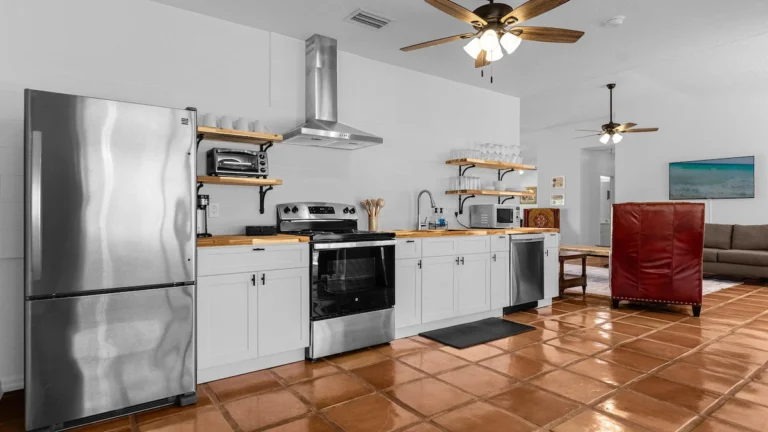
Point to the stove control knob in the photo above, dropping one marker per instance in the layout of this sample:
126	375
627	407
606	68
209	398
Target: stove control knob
286	210
295	209
346	210
352	210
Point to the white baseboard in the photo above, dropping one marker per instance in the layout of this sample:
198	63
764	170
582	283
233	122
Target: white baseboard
434	325
12	383
251	365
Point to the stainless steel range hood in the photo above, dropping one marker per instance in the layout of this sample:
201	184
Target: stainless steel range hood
322	128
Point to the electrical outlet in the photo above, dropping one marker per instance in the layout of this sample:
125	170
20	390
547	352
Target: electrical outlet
213	210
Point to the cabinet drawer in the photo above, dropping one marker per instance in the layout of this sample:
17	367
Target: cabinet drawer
242	259
439	246
499	243
408	248
551	240
473	245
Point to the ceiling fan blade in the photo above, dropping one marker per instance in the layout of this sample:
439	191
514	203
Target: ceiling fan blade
437	42
531	9
480	61
624	127
587	136
547	34
642	130
458	11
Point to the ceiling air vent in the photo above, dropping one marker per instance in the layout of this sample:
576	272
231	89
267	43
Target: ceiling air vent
368	20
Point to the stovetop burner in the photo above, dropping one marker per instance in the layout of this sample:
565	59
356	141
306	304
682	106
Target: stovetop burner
324	222
344	236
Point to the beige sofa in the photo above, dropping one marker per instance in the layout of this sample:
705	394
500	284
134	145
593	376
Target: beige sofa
736	250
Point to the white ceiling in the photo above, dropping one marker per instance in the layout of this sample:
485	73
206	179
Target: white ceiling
654	31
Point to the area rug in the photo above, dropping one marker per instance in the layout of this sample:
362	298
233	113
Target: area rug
599	281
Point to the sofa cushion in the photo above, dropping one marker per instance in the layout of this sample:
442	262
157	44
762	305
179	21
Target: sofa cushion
750	237
710	254
717	236
745	257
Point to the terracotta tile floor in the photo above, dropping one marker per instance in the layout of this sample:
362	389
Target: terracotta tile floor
584	368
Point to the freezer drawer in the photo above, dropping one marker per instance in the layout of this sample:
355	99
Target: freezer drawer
89	355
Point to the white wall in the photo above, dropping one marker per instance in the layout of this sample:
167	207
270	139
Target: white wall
146	52
593	165
705	104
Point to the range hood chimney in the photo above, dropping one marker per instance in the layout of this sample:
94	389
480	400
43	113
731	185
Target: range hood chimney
322	128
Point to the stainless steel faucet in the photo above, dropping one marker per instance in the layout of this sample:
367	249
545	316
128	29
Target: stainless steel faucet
419	224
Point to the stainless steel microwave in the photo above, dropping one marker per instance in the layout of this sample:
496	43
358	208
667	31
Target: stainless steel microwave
493	216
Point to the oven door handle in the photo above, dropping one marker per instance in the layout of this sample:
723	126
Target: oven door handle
349	245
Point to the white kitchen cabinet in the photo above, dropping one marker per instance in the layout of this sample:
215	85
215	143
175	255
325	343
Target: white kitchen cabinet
499	243
408	248
283	310
407	292
242	259
473	283
473	245
439	246
439	300
551	273
500	280
227	315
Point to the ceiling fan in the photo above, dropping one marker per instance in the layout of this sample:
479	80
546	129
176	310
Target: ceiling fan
492	28
613	131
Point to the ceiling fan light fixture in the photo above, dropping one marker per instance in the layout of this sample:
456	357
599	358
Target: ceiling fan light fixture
605	138
510	42
617	137
473	48
489	41
494	55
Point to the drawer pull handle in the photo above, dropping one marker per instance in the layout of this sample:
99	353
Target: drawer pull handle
258	249
502	237
411	241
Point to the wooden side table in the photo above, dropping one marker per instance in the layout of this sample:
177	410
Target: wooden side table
573	281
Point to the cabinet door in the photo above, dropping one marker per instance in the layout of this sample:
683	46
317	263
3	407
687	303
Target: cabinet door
500	280
551	273
407	292
438	297
474	284
226	319
283	310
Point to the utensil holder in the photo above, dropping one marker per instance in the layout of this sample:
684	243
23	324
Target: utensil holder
373	223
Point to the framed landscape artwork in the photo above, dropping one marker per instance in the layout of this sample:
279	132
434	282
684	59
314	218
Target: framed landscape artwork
558	182
557	200
529	199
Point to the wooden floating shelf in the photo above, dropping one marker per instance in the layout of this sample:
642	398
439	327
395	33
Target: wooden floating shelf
480	163
239	181
478	192
237	136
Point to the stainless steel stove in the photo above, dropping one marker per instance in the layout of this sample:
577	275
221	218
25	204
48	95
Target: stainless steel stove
352	293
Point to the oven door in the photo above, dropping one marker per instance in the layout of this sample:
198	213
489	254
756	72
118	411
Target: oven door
352	277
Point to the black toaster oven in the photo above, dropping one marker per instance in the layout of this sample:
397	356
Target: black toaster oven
238	163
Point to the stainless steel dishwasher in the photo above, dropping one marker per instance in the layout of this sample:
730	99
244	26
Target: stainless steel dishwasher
526	267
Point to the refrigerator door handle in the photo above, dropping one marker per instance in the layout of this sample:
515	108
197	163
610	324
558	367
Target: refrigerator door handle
36	206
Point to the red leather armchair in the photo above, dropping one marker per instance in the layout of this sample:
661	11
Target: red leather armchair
656	253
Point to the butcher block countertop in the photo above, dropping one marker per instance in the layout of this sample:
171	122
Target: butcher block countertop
243	240
469	232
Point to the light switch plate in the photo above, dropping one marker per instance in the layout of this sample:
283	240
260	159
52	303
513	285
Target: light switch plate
213	210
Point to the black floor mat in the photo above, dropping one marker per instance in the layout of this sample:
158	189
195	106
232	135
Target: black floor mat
475	333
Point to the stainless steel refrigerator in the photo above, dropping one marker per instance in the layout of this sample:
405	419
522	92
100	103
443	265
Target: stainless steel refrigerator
110	258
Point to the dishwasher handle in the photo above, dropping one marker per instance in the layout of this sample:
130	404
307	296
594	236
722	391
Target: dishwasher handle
527	240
